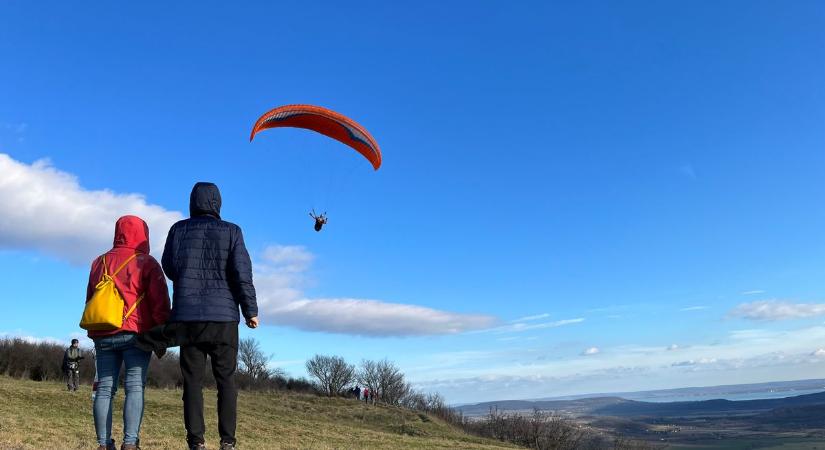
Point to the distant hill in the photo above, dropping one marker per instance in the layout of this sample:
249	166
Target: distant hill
773	389
38	415
619	407
632	408
569	407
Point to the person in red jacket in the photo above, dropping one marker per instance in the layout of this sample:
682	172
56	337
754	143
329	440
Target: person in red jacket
143	286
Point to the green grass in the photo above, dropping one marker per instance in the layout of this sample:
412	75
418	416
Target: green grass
35	415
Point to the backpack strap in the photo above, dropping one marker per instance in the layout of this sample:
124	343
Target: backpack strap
128	260
132	308
106	269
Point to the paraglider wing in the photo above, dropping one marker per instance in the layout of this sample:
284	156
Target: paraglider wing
326	122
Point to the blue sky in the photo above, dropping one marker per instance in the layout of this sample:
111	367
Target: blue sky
575	198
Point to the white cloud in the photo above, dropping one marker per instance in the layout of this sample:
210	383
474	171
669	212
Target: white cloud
280	277
753	292
47	210
374	318
85	342
819	353
673	347
288	258
695	362
531	318
770	310
19	334
520	326
693	308
591	351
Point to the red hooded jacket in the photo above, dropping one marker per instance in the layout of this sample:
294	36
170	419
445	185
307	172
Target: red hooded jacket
143	275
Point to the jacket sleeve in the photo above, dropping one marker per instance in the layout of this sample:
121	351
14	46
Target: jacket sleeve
157	293
239	272
168	258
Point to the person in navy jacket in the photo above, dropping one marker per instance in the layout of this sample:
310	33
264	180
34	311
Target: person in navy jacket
211	273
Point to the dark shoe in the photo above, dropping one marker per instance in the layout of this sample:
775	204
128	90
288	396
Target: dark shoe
197	447
129	447
227	446
111	446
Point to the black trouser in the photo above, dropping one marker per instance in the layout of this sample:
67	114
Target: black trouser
197	340
72	379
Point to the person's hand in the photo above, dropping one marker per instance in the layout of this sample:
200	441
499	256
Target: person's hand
252	323
159	352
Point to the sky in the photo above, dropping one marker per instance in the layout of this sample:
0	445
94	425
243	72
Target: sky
576	197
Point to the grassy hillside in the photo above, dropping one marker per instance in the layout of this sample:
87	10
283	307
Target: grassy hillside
40	415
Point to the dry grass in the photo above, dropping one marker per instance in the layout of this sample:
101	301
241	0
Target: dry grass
42	415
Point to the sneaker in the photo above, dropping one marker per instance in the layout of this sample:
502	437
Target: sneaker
197	447
227	446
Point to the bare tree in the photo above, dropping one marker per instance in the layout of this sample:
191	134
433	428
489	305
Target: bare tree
368	375
253	363
391	384
385	379
331	373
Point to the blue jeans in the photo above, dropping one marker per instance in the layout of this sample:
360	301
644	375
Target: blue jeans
110	352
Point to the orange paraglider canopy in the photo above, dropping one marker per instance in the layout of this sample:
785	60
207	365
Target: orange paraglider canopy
326	122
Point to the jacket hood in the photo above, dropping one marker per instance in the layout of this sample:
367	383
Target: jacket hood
205	200
132	232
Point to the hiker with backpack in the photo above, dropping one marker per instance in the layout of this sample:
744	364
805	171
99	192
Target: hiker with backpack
71	365
211	272
126	295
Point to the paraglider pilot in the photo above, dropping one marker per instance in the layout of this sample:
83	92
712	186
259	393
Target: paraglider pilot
320	220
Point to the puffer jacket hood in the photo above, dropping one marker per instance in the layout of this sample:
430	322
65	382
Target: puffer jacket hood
205	200
132	232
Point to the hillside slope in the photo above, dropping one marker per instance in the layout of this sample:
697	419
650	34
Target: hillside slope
36	415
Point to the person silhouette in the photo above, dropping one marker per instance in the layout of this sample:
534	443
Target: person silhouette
320	219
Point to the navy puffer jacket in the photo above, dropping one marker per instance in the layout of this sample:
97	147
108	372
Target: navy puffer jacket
206	259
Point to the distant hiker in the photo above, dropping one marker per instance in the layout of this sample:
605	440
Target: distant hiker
357	393
71	365
366	395
140	281
206	259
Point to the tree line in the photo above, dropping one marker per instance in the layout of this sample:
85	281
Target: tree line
42	361
330	376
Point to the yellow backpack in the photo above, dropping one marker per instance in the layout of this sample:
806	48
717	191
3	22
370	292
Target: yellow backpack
104	311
